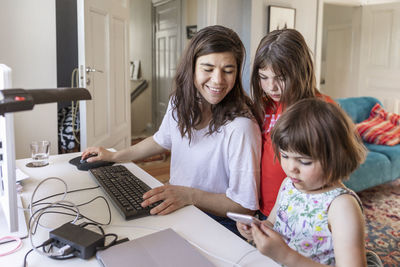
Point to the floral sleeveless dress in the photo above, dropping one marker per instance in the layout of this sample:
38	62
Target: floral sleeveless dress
302	219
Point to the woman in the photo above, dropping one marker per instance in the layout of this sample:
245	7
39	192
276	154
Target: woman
212	134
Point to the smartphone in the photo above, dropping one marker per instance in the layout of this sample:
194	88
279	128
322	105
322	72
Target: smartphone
243	218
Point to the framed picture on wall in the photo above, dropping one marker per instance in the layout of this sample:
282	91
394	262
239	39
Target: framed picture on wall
280	18
191	31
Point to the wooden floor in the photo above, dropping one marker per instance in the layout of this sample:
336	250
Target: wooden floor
157	166
159	169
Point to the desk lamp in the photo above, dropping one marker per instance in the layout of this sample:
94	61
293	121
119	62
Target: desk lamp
13	100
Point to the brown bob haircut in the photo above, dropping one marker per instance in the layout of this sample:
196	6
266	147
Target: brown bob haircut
287	54
322	131
186	100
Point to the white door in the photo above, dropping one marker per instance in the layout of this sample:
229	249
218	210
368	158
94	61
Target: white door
338	62
167	45
380	54
103	27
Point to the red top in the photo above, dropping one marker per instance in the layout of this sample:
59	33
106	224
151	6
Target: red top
272	174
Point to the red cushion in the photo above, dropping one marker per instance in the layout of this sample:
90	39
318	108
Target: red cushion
382	127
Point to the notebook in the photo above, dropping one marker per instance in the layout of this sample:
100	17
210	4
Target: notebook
165	248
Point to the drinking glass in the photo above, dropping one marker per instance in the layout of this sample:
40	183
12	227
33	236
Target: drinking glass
40	151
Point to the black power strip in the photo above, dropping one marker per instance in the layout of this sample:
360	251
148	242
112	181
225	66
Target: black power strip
83	241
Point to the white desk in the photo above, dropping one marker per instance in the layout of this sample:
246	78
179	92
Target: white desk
189	222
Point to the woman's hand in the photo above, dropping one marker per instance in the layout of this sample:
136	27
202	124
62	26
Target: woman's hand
173	197
269	242
100	154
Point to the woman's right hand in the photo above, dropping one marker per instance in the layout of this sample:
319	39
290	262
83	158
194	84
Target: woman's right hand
93	154
245	230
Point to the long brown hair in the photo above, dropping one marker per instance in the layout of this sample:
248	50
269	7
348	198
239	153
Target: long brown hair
186	101
322	131
287	54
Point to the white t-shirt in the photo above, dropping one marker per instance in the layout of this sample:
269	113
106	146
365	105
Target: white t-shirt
228	161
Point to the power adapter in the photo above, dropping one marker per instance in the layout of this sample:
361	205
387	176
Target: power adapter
83	241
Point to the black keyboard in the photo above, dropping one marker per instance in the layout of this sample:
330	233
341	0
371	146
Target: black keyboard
124	189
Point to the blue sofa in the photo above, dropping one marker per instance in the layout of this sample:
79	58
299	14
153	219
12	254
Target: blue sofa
383	162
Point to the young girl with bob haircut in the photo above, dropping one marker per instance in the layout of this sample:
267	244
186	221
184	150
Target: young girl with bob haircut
317	221
283	73
210	130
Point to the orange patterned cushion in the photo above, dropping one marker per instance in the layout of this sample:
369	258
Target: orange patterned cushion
382	128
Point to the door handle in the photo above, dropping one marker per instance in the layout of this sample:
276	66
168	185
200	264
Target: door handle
90	69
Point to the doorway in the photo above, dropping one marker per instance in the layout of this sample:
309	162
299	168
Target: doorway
155	41
94	35
166	51
339	55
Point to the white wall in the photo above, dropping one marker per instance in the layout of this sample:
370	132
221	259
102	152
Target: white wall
249	20
236	14
28	46
189	17
306	19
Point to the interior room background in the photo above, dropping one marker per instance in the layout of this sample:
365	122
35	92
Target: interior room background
356	47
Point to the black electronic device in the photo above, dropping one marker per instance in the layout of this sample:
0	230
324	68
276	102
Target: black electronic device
83	165
84	242
124	189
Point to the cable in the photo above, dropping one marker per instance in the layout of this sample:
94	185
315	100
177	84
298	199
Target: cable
71	191
36	203
84	224
26	256
73	75
81	216
108	208
36	220
74	110
58	194
47	242
11	238
70	208
64	253
38	208
43	212
37	187
112	243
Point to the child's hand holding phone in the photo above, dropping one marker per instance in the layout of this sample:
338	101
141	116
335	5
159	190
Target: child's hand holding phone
244	223
243	218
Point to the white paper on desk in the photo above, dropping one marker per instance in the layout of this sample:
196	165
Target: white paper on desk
20	175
